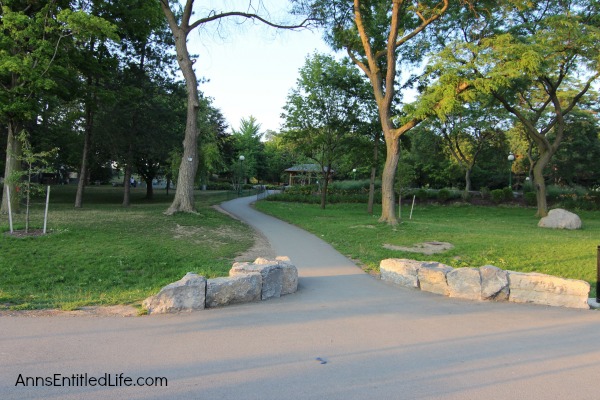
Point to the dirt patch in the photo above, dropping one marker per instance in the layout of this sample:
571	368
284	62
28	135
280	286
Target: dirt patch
363	226
92	311
261	248
203	235
423	248
23	234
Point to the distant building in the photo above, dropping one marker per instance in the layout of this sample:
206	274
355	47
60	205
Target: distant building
305	174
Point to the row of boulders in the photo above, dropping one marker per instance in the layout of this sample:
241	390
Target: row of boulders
247	282
486	283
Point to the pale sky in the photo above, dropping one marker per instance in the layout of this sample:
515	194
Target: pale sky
252	68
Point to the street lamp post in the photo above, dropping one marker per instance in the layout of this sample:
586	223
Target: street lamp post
354	173
242	158
511	158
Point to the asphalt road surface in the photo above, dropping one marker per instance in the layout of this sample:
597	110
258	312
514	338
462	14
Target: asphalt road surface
343	335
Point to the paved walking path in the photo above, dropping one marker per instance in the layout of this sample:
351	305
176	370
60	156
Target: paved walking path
373	341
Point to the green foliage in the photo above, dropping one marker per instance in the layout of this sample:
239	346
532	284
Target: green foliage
443	195
530	198
35	165
485	192
497	196
421	194
324	112
508	194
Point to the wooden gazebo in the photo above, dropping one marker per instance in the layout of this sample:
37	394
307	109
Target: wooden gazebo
304	174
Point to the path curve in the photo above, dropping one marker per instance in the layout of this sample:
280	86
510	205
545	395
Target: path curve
343	335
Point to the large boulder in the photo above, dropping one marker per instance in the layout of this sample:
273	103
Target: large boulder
548	290
464	283
494	283
234	289
400	271
187	294
290	275
560	219
432	278
272	276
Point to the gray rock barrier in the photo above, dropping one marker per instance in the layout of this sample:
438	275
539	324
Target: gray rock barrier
486	283
247	282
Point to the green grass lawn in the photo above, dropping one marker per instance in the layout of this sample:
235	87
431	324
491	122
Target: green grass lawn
105	254
505	237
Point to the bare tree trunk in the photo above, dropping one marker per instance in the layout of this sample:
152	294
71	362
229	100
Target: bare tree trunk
388	199
127	181
467	181
325	187
149	189
373	173
184	194
13	151
539	183
87	143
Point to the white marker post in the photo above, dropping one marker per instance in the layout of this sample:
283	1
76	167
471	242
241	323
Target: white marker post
10	222
412	207
46	211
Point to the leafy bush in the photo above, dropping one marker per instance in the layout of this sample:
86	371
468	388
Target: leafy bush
304	190
590	201
443	195
556	193
530	198
421	194
497	195
508	194
485	192
219	186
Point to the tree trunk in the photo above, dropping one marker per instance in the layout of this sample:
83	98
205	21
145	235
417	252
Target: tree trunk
184	194
325	187
87	143
127	184
13	152
373	174
467	181
539	183
388	200
149	188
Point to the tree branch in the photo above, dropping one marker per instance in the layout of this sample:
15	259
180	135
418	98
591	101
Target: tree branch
215	17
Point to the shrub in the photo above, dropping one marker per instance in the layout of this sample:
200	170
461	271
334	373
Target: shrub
497	195
421	194
485	192
305	190
443	195
508	194
219	186
530	198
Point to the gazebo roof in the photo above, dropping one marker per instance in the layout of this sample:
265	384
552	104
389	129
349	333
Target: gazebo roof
305	168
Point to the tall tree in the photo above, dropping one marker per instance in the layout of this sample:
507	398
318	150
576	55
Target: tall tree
468	131
33	39
378	36
181	25
537	59
323	111
142	52
247	143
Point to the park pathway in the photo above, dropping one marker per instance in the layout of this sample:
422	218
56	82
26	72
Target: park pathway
343	335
